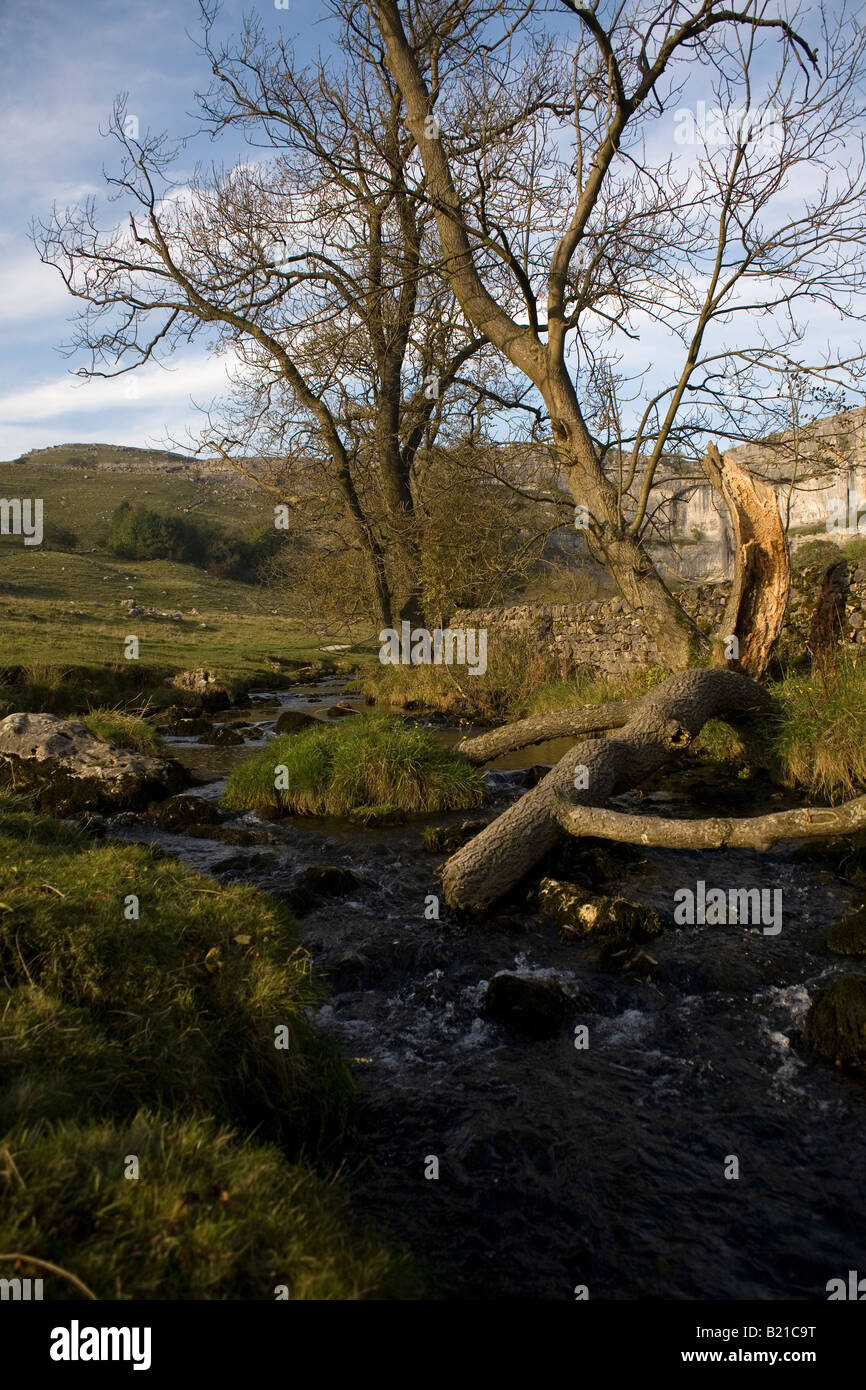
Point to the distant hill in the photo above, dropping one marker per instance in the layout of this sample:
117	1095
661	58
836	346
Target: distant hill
118	458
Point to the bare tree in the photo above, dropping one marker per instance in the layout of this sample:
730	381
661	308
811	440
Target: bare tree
604	226
314	266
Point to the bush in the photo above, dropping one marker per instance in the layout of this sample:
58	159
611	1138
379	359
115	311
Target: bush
125	731
822	553
176	1009
56	537
139	534
370	760
211	1216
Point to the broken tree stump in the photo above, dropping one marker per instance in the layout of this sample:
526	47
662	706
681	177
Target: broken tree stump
761	585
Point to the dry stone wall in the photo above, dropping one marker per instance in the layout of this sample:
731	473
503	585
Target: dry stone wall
605	635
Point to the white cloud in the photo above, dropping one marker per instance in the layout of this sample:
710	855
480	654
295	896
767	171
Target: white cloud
198	378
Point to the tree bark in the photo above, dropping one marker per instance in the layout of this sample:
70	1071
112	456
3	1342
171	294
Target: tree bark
539	728
759	593
664	721
718	832
828	620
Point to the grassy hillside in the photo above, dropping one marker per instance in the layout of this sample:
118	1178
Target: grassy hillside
82	500
64	608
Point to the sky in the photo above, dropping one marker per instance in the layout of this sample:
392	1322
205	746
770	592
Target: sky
62	63
61	66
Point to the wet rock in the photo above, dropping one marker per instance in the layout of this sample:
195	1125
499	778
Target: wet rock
340	711
222	737
377	815
330	880
620	923
183	812
836	1021
232	835
847	937
291	720
66	768
445	839
188	727
530	1007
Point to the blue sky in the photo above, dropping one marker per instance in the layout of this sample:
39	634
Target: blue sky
61	66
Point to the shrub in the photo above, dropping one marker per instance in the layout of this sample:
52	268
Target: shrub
370	760
816	552
57	537
211	1216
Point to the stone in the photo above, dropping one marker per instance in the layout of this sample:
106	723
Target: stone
836	1022
332	880
203	683
531	1007
291	720
183	812
847	937
67	768
222	736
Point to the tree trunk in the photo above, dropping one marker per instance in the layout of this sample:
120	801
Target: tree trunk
539	728
759	593
662	722
718	832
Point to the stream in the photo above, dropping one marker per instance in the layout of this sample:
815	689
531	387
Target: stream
558	1167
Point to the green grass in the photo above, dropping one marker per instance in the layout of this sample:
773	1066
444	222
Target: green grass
587	687
125	731
819	731
177	1008
369	760
516	667
210	1216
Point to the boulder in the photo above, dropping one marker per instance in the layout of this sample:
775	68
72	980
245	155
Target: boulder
212	694
291	720
532	1008
616	921
847	937
68	769
836	1021
183	812
222	736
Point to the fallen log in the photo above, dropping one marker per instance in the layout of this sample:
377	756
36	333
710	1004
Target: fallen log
716	832
759	593
665	720
539	728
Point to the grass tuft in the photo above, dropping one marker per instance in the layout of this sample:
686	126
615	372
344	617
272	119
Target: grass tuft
370	760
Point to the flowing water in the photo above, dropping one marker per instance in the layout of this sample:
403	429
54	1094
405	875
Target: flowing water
561	1167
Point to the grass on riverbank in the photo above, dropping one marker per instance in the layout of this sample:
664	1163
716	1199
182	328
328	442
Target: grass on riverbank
368	760
210	1216
176	1007
154	1038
